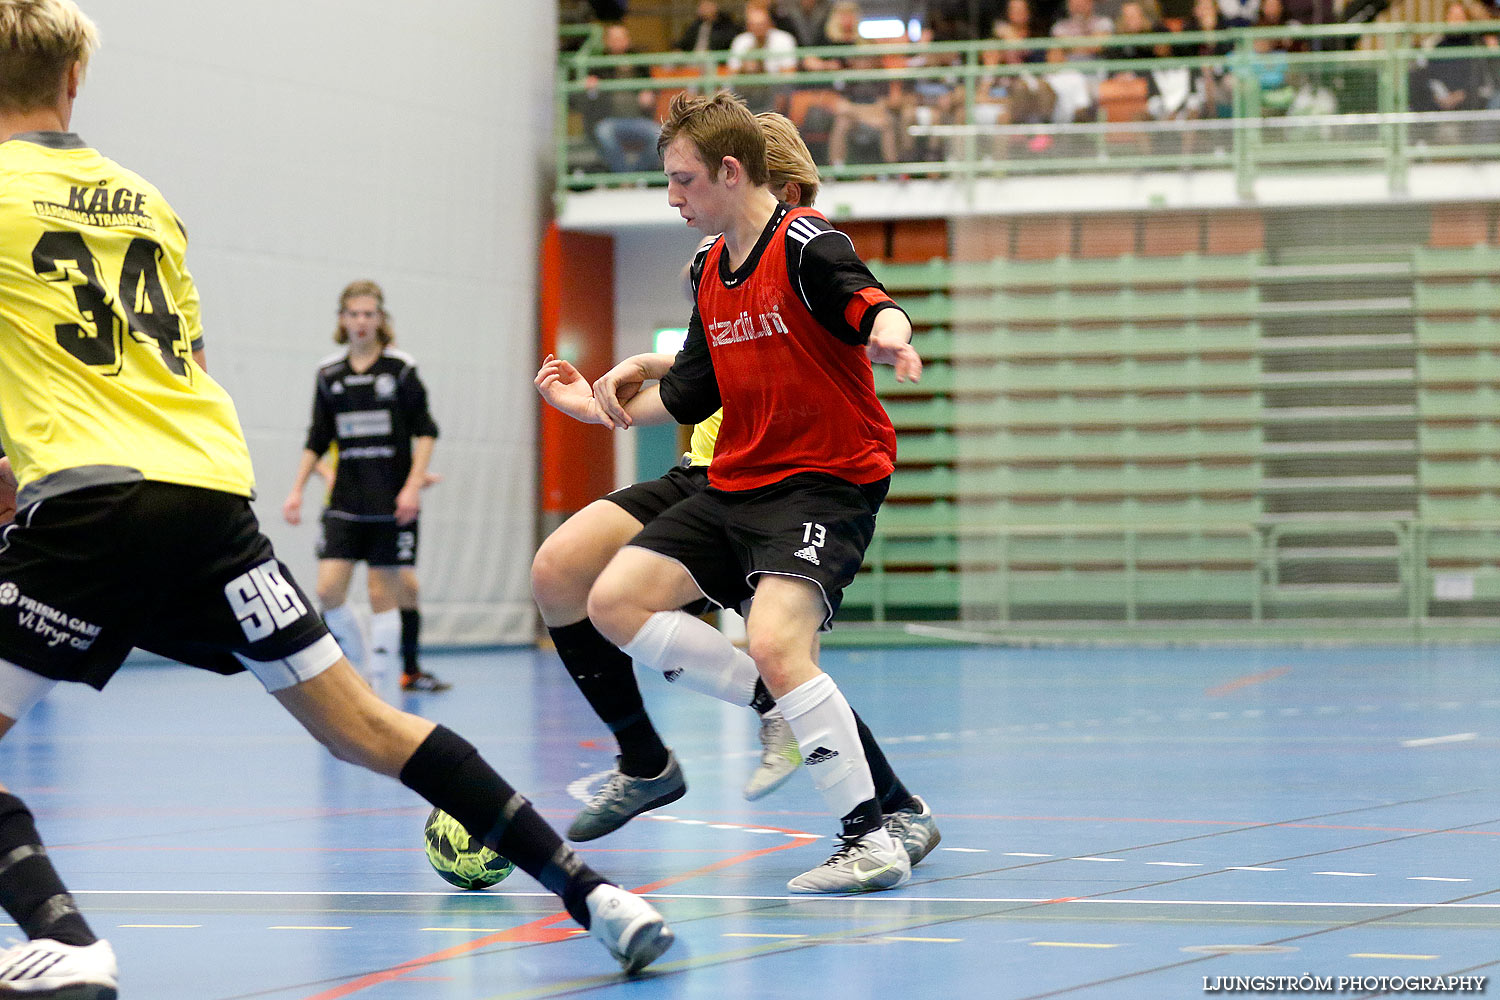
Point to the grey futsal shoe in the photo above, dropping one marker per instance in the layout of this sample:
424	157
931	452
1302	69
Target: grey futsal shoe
861	864
779	758
628	926
44	968
915	829
624	797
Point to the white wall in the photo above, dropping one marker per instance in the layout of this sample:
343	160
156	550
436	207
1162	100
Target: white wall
306	144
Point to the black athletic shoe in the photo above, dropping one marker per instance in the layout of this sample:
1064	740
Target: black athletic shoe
423	681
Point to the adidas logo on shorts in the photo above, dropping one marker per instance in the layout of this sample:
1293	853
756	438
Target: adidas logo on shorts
820	756
809	553
672	675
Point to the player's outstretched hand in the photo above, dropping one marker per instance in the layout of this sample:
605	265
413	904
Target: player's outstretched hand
565	389
902	356
618	386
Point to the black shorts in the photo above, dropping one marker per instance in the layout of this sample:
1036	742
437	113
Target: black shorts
176	570
644	501
377	543
810	525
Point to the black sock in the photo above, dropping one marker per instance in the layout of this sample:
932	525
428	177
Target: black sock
888	788
605	677
411	640
762	701
447	771
30	889
862	819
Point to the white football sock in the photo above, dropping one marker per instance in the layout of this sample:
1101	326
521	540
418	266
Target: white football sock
385	652
694	654
344	624
824	726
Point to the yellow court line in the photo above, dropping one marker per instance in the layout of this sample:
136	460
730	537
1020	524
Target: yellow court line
778	936
1377	954
1070	944
299	927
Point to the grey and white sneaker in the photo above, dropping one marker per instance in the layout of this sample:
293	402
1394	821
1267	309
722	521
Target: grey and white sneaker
779	758
628	926
44	969
861	864
914	829
623	797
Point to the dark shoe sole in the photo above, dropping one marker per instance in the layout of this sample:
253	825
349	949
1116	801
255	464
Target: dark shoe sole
937	838
648	945
655	803
91	992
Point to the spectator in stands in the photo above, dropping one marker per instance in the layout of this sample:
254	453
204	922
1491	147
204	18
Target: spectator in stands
622	122
761	34
1452	84
842	26
1009	99
926	100
1239	13
1017	26
1273	15
1135	20
1077	91
807	18
1211	82
1082	22
872	104
711	31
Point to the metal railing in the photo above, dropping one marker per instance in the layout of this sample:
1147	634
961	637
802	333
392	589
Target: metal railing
1351	97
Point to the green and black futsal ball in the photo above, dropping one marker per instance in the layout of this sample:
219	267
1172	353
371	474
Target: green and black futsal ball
459	858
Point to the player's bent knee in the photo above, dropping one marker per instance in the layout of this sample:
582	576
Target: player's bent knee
557	579
610	609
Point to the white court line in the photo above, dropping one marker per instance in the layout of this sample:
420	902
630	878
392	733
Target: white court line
863	899
1434	878
1432	741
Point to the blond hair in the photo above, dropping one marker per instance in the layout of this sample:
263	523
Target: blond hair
717	126
362	289
788	160
39	41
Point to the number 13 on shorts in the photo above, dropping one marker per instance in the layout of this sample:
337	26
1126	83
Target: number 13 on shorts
814	534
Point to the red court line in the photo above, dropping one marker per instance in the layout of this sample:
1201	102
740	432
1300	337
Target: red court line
1249	680
542	929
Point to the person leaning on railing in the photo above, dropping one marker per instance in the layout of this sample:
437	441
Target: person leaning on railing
1453	84
621	122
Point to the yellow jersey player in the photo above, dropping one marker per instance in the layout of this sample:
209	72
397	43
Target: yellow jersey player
133	527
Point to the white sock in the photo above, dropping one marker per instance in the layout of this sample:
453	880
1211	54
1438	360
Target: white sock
694	654
344	624
824	726
385	652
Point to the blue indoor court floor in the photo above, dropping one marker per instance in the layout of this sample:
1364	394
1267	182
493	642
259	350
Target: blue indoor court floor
1117	824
